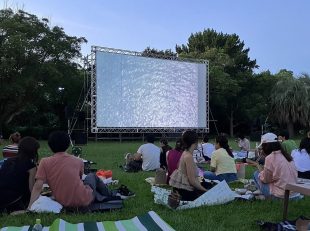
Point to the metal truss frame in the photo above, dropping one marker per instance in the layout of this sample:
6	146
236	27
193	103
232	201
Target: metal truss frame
93	89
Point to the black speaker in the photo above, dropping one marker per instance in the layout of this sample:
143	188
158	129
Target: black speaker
80	138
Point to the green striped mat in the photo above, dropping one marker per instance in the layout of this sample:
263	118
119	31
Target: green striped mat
147	222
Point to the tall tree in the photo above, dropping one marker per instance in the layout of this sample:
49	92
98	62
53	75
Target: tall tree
36	59
290	101
230	67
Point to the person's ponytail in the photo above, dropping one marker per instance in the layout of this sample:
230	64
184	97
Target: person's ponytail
223	142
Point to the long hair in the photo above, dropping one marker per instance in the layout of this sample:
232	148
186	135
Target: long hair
189	138
164	141
28	149
178	145
268	148
223	142
305	144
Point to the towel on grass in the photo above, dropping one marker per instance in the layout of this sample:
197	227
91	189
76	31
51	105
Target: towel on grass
149	221
46	204
219	194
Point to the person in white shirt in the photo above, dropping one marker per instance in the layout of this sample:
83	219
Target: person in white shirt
207	148
301	158
244	145
149	154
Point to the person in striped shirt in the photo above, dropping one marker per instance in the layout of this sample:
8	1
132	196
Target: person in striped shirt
11	150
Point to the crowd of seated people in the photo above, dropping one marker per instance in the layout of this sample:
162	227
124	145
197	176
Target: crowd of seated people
21	179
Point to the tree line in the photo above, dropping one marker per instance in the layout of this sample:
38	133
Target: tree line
40	75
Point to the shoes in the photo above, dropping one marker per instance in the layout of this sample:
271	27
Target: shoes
257	192
124	192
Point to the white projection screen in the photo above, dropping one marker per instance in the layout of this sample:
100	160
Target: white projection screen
136	92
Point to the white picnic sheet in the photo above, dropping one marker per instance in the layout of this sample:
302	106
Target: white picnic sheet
46	204
219	194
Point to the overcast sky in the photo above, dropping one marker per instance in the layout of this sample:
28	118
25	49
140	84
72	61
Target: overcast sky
276	31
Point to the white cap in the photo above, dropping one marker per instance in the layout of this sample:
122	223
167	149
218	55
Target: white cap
268	138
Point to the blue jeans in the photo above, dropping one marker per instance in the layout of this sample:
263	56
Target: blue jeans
242	154
264	188
228	177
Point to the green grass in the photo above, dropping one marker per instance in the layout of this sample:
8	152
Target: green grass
236	215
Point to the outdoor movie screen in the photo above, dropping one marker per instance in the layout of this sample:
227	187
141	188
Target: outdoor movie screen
141	92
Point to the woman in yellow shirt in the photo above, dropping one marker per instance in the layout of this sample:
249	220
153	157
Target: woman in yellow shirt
222	162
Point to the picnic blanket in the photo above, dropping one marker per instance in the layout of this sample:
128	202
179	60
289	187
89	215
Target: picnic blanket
149	221
219	194
302	223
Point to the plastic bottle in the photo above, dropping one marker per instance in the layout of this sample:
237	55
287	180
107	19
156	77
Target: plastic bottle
37	226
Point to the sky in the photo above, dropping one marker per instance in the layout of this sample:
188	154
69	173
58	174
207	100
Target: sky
276	31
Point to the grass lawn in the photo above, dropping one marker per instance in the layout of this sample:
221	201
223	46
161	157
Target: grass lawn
109	155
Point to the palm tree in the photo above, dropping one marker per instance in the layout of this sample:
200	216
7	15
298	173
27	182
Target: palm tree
290	102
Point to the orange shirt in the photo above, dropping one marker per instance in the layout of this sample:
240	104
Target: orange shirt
62	172
277	173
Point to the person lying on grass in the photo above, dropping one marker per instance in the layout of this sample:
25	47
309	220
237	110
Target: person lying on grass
63	172
185	179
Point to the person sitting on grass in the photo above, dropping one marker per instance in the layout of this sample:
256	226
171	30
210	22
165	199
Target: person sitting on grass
63	173
185	179
301	158
173	157
244	145
222	166
11	150
287	144
17	174
164	148
148	154
207	148
279	168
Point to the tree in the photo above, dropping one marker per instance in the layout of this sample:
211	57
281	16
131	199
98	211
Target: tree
230	67
36	60
290	100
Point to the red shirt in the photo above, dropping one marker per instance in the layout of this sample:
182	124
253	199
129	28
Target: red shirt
62	172
173	162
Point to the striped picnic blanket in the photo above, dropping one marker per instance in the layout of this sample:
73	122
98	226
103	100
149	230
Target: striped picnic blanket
149	221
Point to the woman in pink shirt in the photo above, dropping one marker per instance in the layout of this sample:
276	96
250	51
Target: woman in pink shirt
279	168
